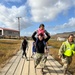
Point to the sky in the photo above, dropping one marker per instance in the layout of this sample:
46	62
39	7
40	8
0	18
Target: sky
58	16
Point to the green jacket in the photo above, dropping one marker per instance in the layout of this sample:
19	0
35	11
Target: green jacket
67	49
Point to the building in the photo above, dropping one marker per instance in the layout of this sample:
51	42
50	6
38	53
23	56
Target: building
5	32
61	39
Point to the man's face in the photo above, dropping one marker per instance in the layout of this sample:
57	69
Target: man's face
40	37
71	38
24	38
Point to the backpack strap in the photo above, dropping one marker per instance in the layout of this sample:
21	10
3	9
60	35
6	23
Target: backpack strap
36	40
43	42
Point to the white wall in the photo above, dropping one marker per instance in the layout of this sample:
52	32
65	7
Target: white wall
60	39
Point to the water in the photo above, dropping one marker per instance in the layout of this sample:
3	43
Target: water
49	46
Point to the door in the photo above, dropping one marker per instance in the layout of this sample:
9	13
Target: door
0	32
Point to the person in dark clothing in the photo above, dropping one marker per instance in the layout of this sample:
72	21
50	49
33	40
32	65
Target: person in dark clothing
24	46
40	46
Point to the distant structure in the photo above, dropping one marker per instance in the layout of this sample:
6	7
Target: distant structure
6	32
61	39
18	25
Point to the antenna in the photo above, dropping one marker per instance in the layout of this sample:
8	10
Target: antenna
18	24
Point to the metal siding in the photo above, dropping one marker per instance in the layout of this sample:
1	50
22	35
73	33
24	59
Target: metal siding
10	33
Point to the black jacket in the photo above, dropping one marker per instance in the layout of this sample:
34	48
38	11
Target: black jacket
40	45
24	43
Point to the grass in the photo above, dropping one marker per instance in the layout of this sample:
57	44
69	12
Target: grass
8	48
54	52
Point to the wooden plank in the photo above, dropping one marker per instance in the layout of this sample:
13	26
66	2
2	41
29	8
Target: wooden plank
27	63
31	62
7	67
19	68
38	71
57	63
25	68
14	66
60	66
32	69
9	64
58	71
50	68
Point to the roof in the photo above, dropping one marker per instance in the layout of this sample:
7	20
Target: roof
9	29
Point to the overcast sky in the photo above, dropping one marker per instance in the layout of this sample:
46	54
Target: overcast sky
58	16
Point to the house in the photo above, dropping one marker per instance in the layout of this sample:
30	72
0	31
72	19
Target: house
61	39
6	32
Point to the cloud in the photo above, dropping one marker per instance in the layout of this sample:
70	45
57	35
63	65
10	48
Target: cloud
8	17
27	33
34	11
13	0
47	10
69	25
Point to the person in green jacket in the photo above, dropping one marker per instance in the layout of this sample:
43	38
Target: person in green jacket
66	51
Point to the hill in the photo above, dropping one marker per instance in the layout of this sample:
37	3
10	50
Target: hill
64	35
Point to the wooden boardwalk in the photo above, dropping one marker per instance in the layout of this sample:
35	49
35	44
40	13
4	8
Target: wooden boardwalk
20	66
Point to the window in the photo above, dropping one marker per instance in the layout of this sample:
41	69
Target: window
10	32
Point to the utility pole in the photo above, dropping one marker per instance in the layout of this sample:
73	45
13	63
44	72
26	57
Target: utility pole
18	25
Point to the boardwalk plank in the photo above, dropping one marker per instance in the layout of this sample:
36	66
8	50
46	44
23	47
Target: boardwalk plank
25	68
7	67
52	62
50	68
57	63
19	68
9	64
14	66
38	71
26	64
32	69
59	66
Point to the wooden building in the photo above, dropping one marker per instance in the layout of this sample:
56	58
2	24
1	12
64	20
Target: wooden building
6	32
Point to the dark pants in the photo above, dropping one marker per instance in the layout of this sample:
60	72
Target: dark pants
24	51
